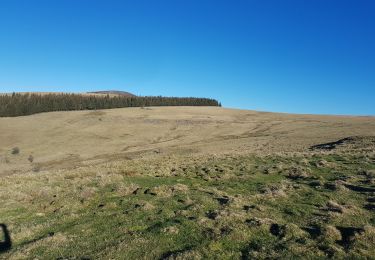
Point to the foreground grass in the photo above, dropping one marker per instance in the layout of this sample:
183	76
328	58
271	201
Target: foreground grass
227	207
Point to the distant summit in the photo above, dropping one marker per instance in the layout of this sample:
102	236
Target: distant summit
113	92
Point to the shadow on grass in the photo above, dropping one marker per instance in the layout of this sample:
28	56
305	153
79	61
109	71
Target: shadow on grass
6	244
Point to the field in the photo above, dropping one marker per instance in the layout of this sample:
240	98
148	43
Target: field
187	183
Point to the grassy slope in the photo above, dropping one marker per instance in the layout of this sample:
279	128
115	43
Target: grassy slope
211	207
225	201
63	139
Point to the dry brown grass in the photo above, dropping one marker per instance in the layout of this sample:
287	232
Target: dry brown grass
69	139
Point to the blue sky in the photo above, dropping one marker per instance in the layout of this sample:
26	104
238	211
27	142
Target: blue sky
315	56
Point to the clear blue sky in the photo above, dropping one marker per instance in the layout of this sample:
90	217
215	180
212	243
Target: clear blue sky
302	56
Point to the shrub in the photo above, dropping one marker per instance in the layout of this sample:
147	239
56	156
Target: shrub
15	150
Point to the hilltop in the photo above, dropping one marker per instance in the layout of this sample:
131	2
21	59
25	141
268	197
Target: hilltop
113	92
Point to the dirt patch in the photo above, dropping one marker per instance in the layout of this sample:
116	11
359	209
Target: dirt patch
353	142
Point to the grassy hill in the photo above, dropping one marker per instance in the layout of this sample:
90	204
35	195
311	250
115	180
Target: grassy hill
187	183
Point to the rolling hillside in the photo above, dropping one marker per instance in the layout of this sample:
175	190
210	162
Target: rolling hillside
187	183
59	137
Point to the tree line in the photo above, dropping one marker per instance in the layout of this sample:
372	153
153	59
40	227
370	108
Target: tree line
18	104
